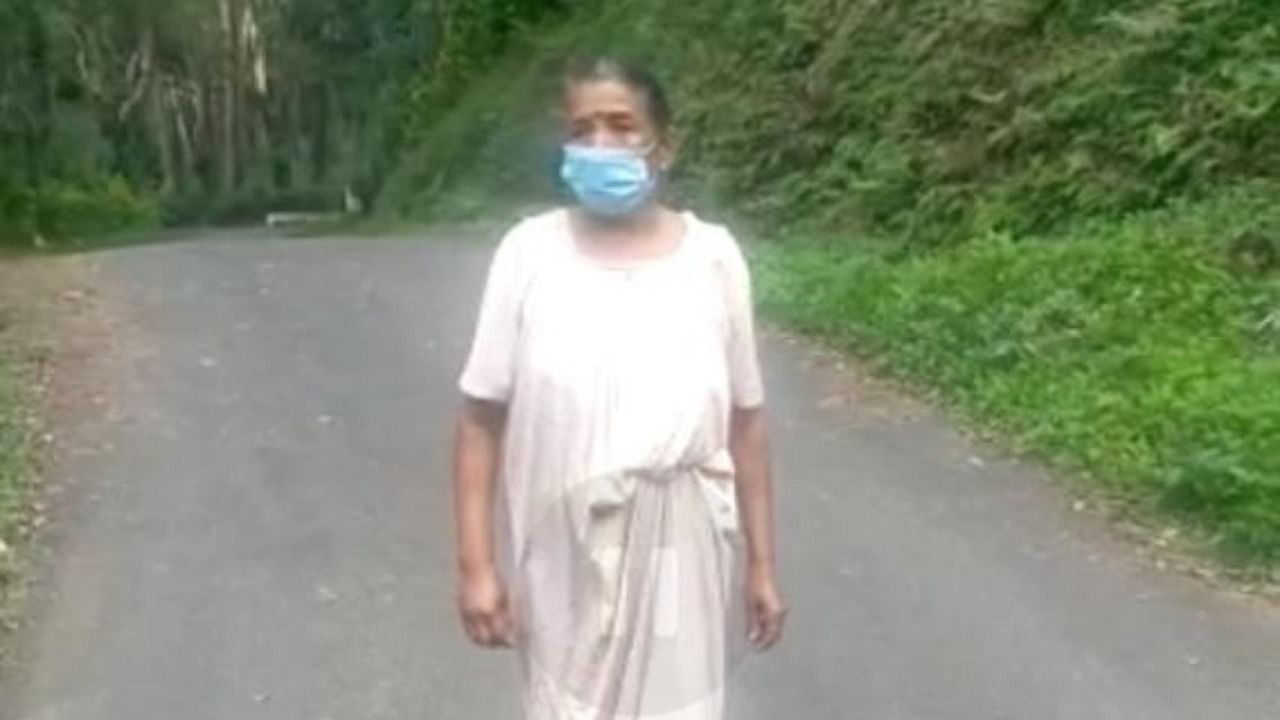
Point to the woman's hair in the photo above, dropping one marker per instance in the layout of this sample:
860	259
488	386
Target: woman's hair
594	68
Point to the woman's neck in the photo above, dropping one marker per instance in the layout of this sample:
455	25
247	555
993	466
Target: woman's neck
646	233
644	222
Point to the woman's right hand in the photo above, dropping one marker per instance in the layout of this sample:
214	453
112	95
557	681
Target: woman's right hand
486	612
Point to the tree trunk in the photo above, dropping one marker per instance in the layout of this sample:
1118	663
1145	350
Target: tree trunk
38	123
161	123
207	131
230	94
299	155
183	133
320	140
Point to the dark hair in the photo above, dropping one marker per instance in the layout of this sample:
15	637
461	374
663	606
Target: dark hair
589	68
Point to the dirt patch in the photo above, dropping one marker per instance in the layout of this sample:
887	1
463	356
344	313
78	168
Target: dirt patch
56	329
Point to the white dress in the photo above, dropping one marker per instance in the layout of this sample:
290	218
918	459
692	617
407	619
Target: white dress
617	484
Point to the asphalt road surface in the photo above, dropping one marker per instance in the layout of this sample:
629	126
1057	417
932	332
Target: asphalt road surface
258	527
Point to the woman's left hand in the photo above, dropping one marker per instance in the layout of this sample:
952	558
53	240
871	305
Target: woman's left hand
765	609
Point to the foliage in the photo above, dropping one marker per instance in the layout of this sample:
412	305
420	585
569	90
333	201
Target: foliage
516	150
58	210
473	34
1134	351
205	99
932	120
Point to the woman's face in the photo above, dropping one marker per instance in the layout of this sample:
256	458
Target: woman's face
608	113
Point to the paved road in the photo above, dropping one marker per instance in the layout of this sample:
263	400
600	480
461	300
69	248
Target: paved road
261	530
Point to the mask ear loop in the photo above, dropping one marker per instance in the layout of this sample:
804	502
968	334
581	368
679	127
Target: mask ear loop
645	152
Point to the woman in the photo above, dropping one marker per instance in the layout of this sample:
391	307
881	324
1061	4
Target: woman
613	387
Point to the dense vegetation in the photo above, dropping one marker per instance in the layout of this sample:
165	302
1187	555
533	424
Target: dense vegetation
934	120
1060	214
123	112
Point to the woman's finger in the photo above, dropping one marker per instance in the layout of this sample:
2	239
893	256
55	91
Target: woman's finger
772	630
503	636
754	626
755	631
482	627
474	629
766	625
505	628
495	629
499	621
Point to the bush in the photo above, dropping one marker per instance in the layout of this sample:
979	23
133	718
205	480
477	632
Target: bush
1133	351
60	211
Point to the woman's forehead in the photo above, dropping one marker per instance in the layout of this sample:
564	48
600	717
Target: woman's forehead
602	97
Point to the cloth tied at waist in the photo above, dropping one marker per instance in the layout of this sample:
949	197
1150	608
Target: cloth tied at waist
612	491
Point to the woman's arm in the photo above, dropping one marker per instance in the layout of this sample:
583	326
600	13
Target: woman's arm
749	446
482	597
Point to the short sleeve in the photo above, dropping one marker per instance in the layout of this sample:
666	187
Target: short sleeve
745	380
489	372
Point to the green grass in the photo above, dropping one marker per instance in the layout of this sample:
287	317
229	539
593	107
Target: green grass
1144	353
15	473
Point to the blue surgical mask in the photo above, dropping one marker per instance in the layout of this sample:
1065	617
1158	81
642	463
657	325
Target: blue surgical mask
608	182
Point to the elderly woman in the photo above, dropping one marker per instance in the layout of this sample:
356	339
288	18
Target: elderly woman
613	395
